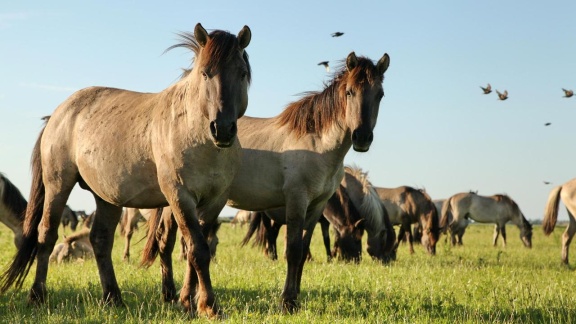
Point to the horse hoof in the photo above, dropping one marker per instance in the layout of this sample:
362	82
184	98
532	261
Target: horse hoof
290	306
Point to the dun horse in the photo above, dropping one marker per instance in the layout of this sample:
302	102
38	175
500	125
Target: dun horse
405	206
12	208
499	209
295	160
180	150
566	192
128	223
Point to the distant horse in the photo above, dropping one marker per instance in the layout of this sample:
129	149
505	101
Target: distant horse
242	217
339	211
12	208
381	241
71	217
180	150
295	160
75	247
567	192
128	223
499	209
405	206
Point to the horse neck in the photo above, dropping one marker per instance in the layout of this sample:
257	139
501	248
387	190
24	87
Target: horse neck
182	100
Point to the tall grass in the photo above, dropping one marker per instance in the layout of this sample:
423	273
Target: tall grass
475	283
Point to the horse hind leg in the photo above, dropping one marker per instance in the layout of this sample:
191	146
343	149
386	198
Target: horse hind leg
102	239
54	204
567	237
496	234
503	233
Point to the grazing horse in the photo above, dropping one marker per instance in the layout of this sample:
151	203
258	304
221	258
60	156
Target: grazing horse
405	206
75	247
381	241
499	209
12	208
180	150
567	192
295	160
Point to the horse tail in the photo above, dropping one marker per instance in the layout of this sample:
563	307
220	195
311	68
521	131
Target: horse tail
551	211
255	221
445	214
152	247
15	274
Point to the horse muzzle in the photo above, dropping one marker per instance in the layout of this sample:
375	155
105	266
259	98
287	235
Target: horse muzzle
223	134
361	140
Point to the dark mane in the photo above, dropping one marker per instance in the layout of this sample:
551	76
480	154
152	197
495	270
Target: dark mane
12	198
318	111
219	50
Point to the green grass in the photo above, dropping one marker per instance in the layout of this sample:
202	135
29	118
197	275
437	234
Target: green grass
476	283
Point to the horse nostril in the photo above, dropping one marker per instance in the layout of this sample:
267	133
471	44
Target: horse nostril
213	128
354	136
233	128
371	137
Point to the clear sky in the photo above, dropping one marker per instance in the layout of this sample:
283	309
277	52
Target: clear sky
435	130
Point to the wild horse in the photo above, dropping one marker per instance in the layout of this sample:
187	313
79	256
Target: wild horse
180	150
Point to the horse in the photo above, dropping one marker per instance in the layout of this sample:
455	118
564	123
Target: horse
498	209
180	150
71	218
407	205
381	241
295	159
339	211
75	247
242	217
566	192
128	223
12	208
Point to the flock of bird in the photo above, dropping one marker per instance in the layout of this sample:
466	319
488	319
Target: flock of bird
504	95
326	63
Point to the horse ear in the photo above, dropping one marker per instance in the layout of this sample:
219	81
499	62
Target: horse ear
351	61
358	222
383	64
244	37
201	35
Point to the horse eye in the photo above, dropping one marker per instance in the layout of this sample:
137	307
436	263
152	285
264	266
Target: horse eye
204	75
244	75
349	93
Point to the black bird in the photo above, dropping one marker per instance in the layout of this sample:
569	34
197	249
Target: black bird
547	124
325	63
337	34
488	89
547	182
568	93
502	96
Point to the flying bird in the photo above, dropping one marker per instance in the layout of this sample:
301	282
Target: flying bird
547	182
502	96
488	89
337	34
325	63
568	93
547	124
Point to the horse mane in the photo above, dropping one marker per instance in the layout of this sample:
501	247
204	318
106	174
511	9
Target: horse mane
317	111
371	207
12	197
507	200
220	48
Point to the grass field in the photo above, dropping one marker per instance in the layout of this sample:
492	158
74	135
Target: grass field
476	283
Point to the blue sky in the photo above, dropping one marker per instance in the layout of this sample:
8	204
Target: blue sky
435	130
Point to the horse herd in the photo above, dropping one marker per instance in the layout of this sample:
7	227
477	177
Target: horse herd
192	148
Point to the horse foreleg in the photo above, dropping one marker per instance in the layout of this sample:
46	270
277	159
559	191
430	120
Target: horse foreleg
567	237
294	255
127	239
408	229
503	233
325	226
166	244
102	239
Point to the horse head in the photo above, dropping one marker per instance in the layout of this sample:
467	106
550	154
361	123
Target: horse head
526	233
222	75
348	244
363	90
